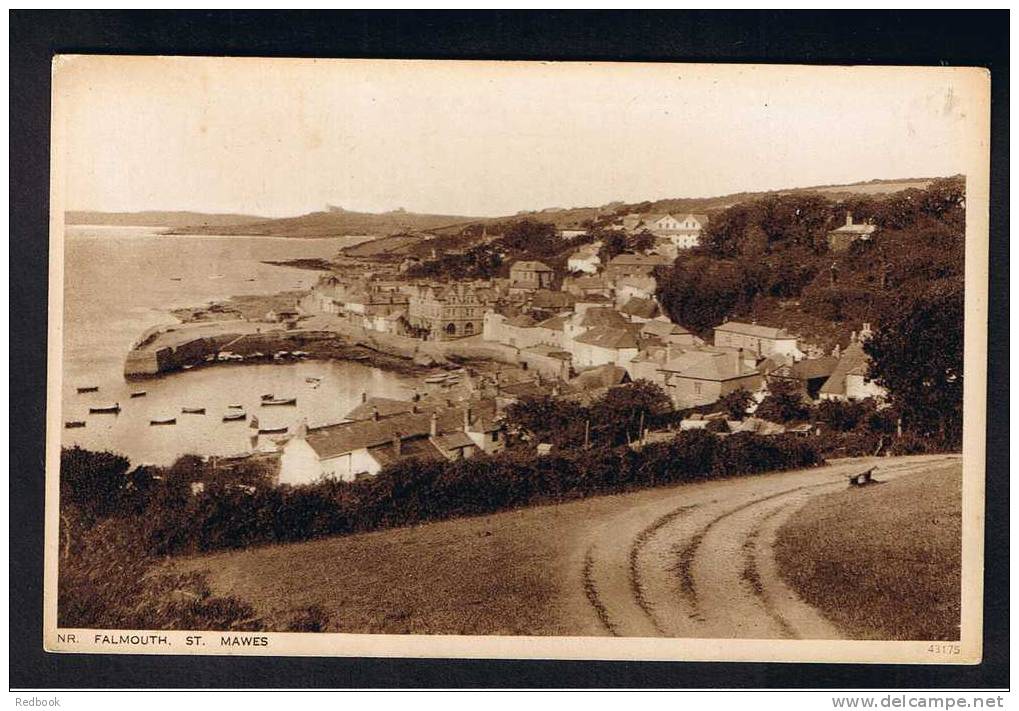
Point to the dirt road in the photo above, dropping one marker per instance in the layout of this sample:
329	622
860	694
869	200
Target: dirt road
699	563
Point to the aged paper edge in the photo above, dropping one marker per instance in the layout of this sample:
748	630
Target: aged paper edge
968	650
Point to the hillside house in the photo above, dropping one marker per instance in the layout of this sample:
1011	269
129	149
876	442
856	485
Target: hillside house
762	340
698	377
850	380
572	232
840	239
808	375
549	361
683	231
530	276
640	310
662	331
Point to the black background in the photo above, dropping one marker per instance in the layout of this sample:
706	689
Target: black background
903	38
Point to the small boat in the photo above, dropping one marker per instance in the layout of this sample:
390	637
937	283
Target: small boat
435	379
272	430
139	393
163	421
88	389
236	407
313	380
174	278
71	424
187	366
234	416
249	280
280	401
359	357
193	410
268	396
113	409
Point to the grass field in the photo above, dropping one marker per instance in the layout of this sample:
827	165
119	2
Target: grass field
483	575
882	562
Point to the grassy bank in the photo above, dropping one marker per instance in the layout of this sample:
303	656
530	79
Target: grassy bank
883	562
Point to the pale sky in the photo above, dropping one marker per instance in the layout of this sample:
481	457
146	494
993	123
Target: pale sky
284	137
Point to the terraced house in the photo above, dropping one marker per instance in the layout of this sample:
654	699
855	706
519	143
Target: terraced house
442	312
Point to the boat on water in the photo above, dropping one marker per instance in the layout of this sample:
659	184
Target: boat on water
313	381
234	416
163	421
436	379
139	393
88	389
193	410
175	278
272	430
236	407
71	424
279	401
113	409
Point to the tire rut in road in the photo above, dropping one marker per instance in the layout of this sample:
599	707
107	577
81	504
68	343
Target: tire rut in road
639	543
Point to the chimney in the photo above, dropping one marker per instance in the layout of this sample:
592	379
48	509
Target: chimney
396	444
849	219
364	397
467	419
434	428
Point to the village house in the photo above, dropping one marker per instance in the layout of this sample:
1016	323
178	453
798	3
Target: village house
762	340
530	276
636	286
701	377
549	361
585	260
286	315
572	232
582	286
840	239
808	375
624	265
604	345
662	331
850	380
442	312
360	448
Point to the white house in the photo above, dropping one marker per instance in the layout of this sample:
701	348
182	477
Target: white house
585	260
851	378
351	450
604	345
684	231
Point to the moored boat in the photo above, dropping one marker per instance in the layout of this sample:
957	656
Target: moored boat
193	410
113	409
236	407
272	430
279	401
234	416
163	421
71	424
139	393
436	379
88	389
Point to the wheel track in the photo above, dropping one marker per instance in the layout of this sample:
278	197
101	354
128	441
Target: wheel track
756	552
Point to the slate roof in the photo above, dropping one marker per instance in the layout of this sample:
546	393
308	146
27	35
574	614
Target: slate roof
546	299
453	440
854	361
662	329
753	329
641	308
556	323
706	365
608	337
335	440
602	316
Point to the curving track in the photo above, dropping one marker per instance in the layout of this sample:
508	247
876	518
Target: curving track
699	563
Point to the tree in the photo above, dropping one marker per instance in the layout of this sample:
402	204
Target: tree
642	241
619	414
784	402
547	419
613	244
530	236
917	355
92	481
701	292
735	404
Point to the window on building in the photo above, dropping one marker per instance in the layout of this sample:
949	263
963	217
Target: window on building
697	388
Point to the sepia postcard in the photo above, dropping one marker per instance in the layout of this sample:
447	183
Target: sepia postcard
552	360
